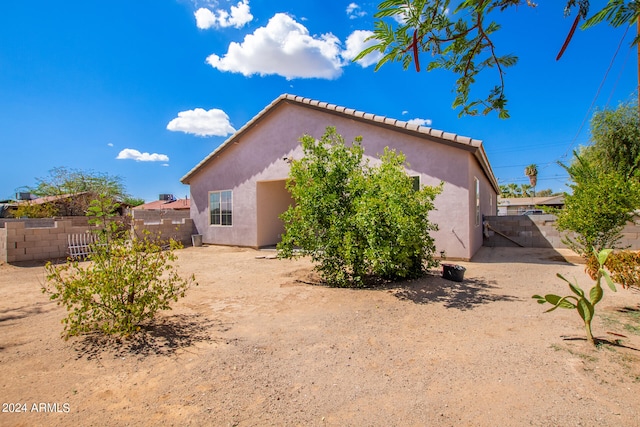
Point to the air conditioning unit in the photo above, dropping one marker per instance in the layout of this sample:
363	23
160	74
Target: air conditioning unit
167	197
23	196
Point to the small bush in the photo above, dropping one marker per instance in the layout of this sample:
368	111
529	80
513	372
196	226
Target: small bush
124	283
625	268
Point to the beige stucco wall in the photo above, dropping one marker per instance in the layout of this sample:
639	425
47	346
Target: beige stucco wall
259	156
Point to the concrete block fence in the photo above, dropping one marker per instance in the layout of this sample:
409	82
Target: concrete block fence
41	240
166	229
539	231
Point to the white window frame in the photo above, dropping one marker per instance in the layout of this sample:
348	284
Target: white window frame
222	216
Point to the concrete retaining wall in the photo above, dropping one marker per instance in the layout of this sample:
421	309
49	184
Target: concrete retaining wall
539	231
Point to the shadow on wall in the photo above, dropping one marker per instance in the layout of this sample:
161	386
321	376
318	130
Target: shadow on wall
535	231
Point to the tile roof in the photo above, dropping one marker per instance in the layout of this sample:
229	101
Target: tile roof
470	144
165	205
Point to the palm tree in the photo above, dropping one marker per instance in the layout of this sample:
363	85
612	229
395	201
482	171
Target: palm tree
525	190
514	190
532	172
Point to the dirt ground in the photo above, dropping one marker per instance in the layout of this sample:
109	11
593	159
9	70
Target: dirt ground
257	343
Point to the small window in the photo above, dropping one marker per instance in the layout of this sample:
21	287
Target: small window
416	183
221	207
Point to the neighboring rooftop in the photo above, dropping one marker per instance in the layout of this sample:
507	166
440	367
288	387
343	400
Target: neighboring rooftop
178	204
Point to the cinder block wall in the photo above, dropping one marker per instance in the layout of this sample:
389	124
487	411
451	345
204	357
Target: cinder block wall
151	216
180	231
631	236
3	245
538	231
26	240
23	243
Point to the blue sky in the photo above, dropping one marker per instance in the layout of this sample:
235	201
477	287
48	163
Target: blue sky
145	89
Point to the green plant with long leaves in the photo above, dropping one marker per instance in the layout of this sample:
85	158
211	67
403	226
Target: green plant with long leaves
580	301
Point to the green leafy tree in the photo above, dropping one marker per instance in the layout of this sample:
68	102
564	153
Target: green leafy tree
84	186
354	220
126	282
615	135
583	303
547	192
132	201
62	180
600	205
459	37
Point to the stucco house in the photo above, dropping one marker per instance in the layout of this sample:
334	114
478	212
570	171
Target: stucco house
238	191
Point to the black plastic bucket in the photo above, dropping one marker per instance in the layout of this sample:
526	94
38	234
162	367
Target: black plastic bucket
453	272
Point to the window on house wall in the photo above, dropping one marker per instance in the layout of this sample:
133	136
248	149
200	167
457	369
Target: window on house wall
416	183
221	207
478	216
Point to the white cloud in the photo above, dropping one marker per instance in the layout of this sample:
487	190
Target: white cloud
284	47
110	144
131	154
356	43
420	122
354	11
404	112
202	123
205	18
238	16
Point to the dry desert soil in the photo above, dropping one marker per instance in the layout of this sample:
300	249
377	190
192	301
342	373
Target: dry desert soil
260	342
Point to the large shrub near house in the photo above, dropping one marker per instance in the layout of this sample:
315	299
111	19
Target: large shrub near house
357	221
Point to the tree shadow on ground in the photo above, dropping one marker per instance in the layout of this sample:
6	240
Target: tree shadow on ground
464	295
162	336
17	313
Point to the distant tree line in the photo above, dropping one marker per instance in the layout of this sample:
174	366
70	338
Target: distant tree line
524	190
